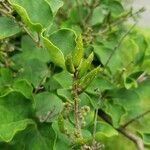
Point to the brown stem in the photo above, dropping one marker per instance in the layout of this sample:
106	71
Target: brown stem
3	3
75	95
137	140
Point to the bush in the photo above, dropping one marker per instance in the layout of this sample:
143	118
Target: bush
73	75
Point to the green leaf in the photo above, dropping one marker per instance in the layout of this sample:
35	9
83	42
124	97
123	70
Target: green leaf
36	15
130	83
101	83
99	15
85	99
103	53
128	52
62	140
146	65
126	98
146	137
30	51
24	87
64	79
115	111
55	5
74	14
129	100
52	84
67	44
104	129
15	111
133	50
34	71
48	106
55	53
8	27
65	94
116	8
142	45
6	78
35	137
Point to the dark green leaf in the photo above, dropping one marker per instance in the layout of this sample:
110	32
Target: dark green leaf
34	71
104	129
33	14
8	27
15	111
48	106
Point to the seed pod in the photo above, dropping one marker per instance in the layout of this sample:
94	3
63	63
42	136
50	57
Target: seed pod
69	64
81	141
78	53
86	80
85	65
61	123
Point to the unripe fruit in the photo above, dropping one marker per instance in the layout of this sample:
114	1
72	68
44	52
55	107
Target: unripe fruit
69	64
78	53
83	68
86	80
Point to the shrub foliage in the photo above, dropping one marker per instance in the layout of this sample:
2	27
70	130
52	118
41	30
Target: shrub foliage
73	75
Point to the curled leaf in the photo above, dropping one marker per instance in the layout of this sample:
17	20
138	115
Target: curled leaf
55	53
32	14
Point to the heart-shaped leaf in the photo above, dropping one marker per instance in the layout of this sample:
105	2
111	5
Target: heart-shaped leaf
15	111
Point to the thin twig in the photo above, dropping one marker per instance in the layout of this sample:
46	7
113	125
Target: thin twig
4	12
50	114
30	35
136	118
6	6
42	81
118	21
135	139
118	45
